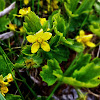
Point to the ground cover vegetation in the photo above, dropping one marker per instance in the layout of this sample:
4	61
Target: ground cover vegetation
47	46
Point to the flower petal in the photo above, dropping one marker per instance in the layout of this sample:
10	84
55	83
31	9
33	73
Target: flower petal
78	39
45	46
46	36
31	38
39	33
88	37
90	44
82	33
35	47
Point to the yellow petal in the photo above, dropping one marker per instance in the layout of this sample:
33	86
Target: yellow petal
39	33
45	46
35	47
46	36
82	33
9	77
4	89
24	11
78	39
90	44
88	37
31	38
42	20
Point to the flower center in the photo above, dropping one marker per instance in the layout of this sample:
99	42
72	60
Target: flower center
39	40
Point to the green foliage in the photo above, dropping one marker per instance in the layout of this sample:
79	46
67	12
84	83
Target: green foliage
59	24
60	53
12	97
97	7
32	22
20	63
95	28
27	50
4	69
3	23
47	71
50	19
2	5
86	5
83	73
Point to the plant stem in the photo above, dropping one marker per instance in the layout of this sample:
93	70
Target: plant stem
6	58
55	88
33	5
35	95
38	7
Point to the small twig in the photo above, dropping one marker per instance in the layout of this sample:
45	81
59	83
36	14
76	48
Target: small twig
34	79
98	53
90	92
6	35
8	9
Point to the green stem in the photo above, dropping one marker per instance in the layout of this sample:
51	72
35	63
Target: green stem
33	5
6	58
55	88
21	4
38	7
24	81
83	22
67	72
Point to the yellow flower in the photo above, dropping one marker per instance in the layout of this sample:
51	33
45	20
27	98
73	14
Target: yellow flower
23	12
42	21
85	39
3	90
22	30
29	63
52	5
26	2
12	27
41	3
39	39
9	77
2	83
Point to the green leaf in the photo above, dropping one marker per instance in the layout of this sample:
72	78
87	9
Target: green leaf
50	19
85	5
59	24
3	23
58	53
2	5
47	71
72	81
12	97
69	11
97	7
27	50
33	22
95	28
88	72
81	61
78	47
4	69
2	97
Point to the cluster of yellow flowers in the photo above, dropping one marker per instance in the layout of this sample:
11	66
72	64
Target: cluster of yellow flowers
85	39
3	84
51	5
